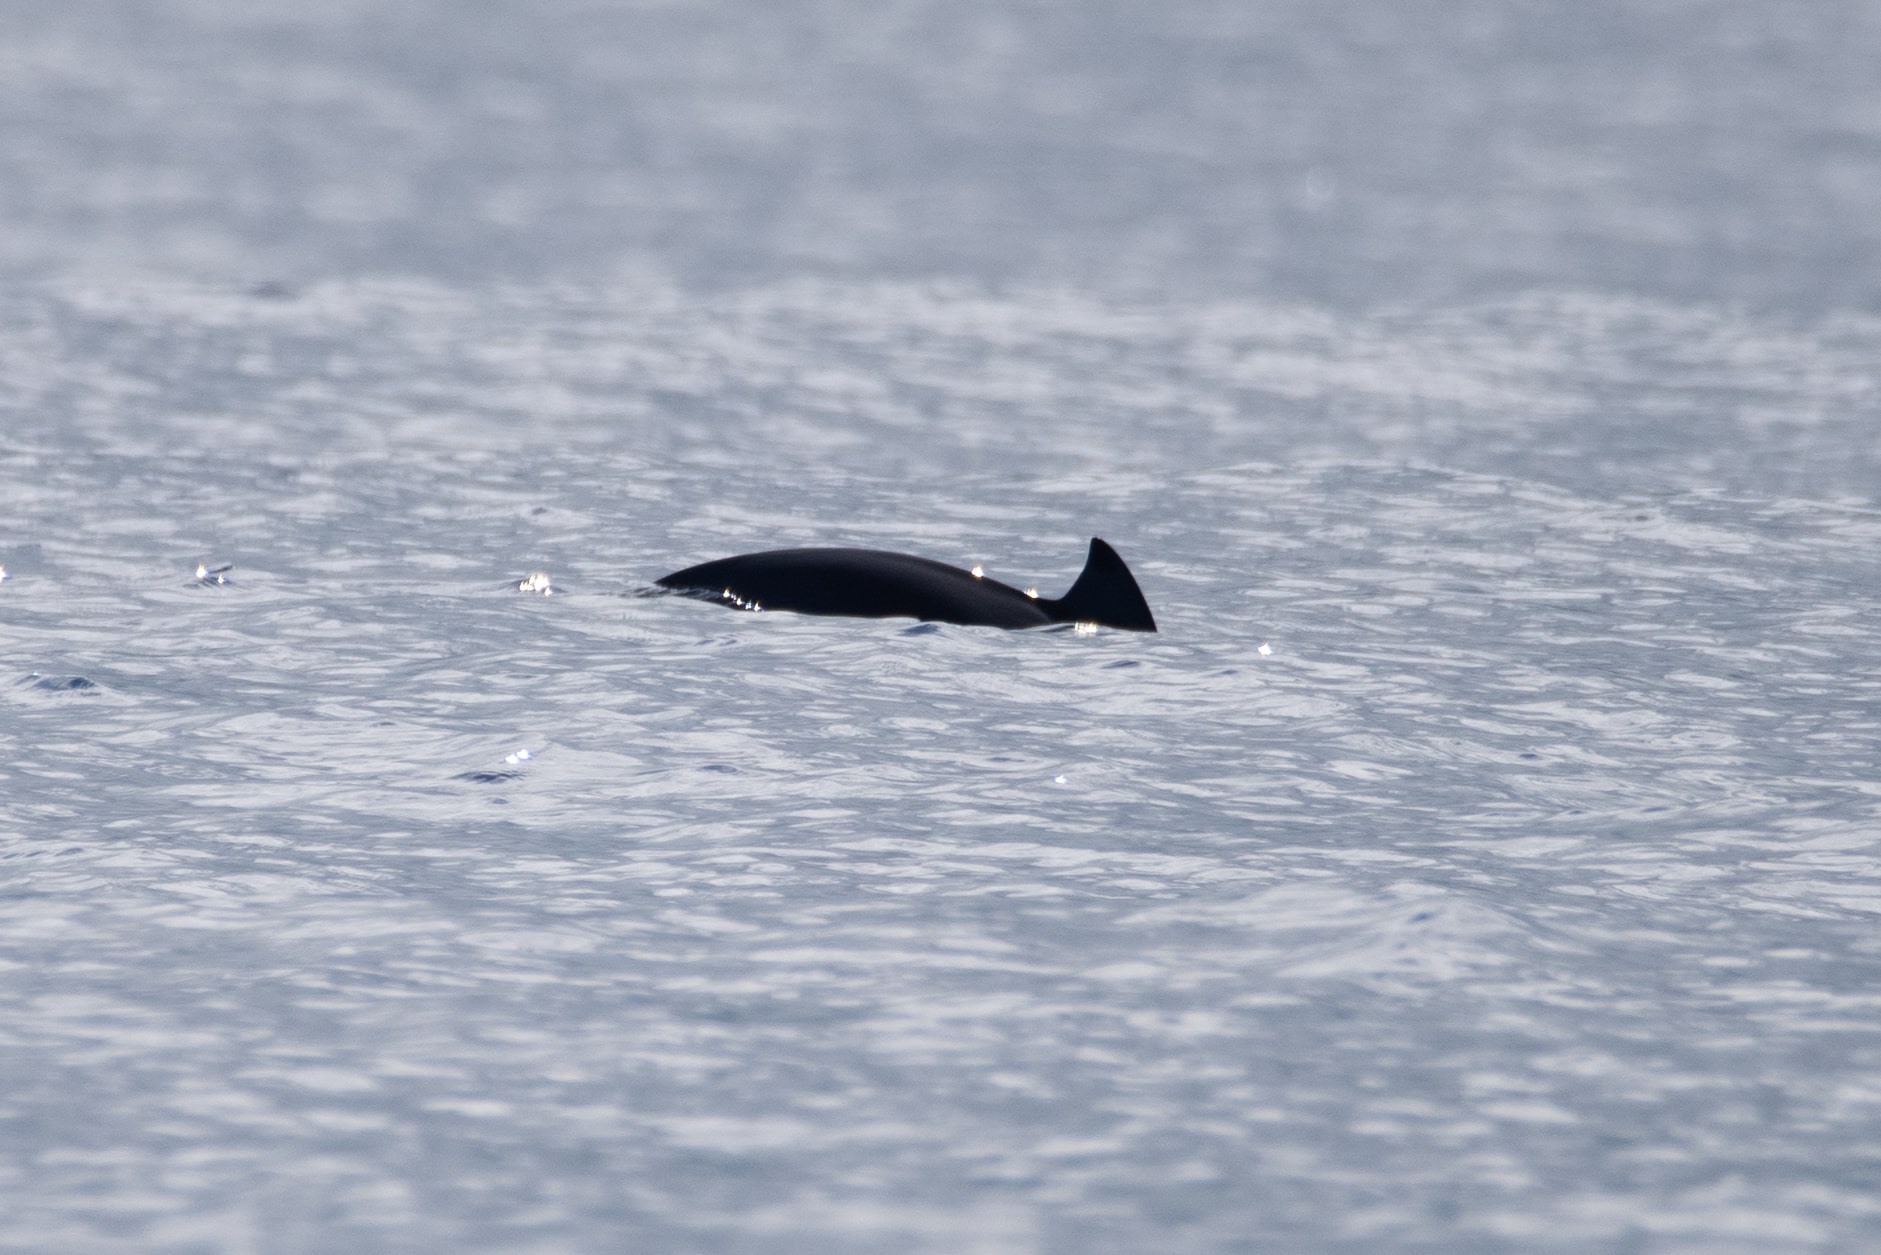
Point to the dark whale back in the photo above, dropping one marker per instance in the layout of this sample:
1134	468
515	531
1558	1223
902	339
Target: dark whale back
872	584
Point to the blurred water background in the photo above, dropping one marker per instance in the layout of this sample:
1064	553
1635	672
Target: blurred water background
1486	855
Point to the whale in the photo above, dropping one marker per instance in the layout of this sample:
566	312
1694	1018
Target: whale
875	584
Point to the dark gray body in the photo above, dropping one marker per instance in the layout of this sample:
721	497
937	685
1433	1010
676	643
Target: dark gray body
871	584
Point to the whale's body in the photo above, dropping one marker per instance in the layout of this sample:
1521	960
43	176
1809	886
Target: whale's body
872	584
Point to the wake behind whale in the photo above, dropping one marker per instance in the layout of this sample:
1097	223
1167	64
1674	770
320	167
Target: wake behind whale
873	584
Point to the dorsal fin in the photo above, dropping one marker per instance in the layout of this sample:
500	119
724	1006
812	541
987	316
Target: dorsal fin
1106	593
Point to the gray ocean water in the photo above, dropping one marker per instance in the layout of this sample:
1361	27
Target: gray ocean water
1485	856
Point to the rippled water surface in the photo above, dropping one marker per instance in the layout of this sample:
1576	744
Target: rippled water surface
1473	860
1485	856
